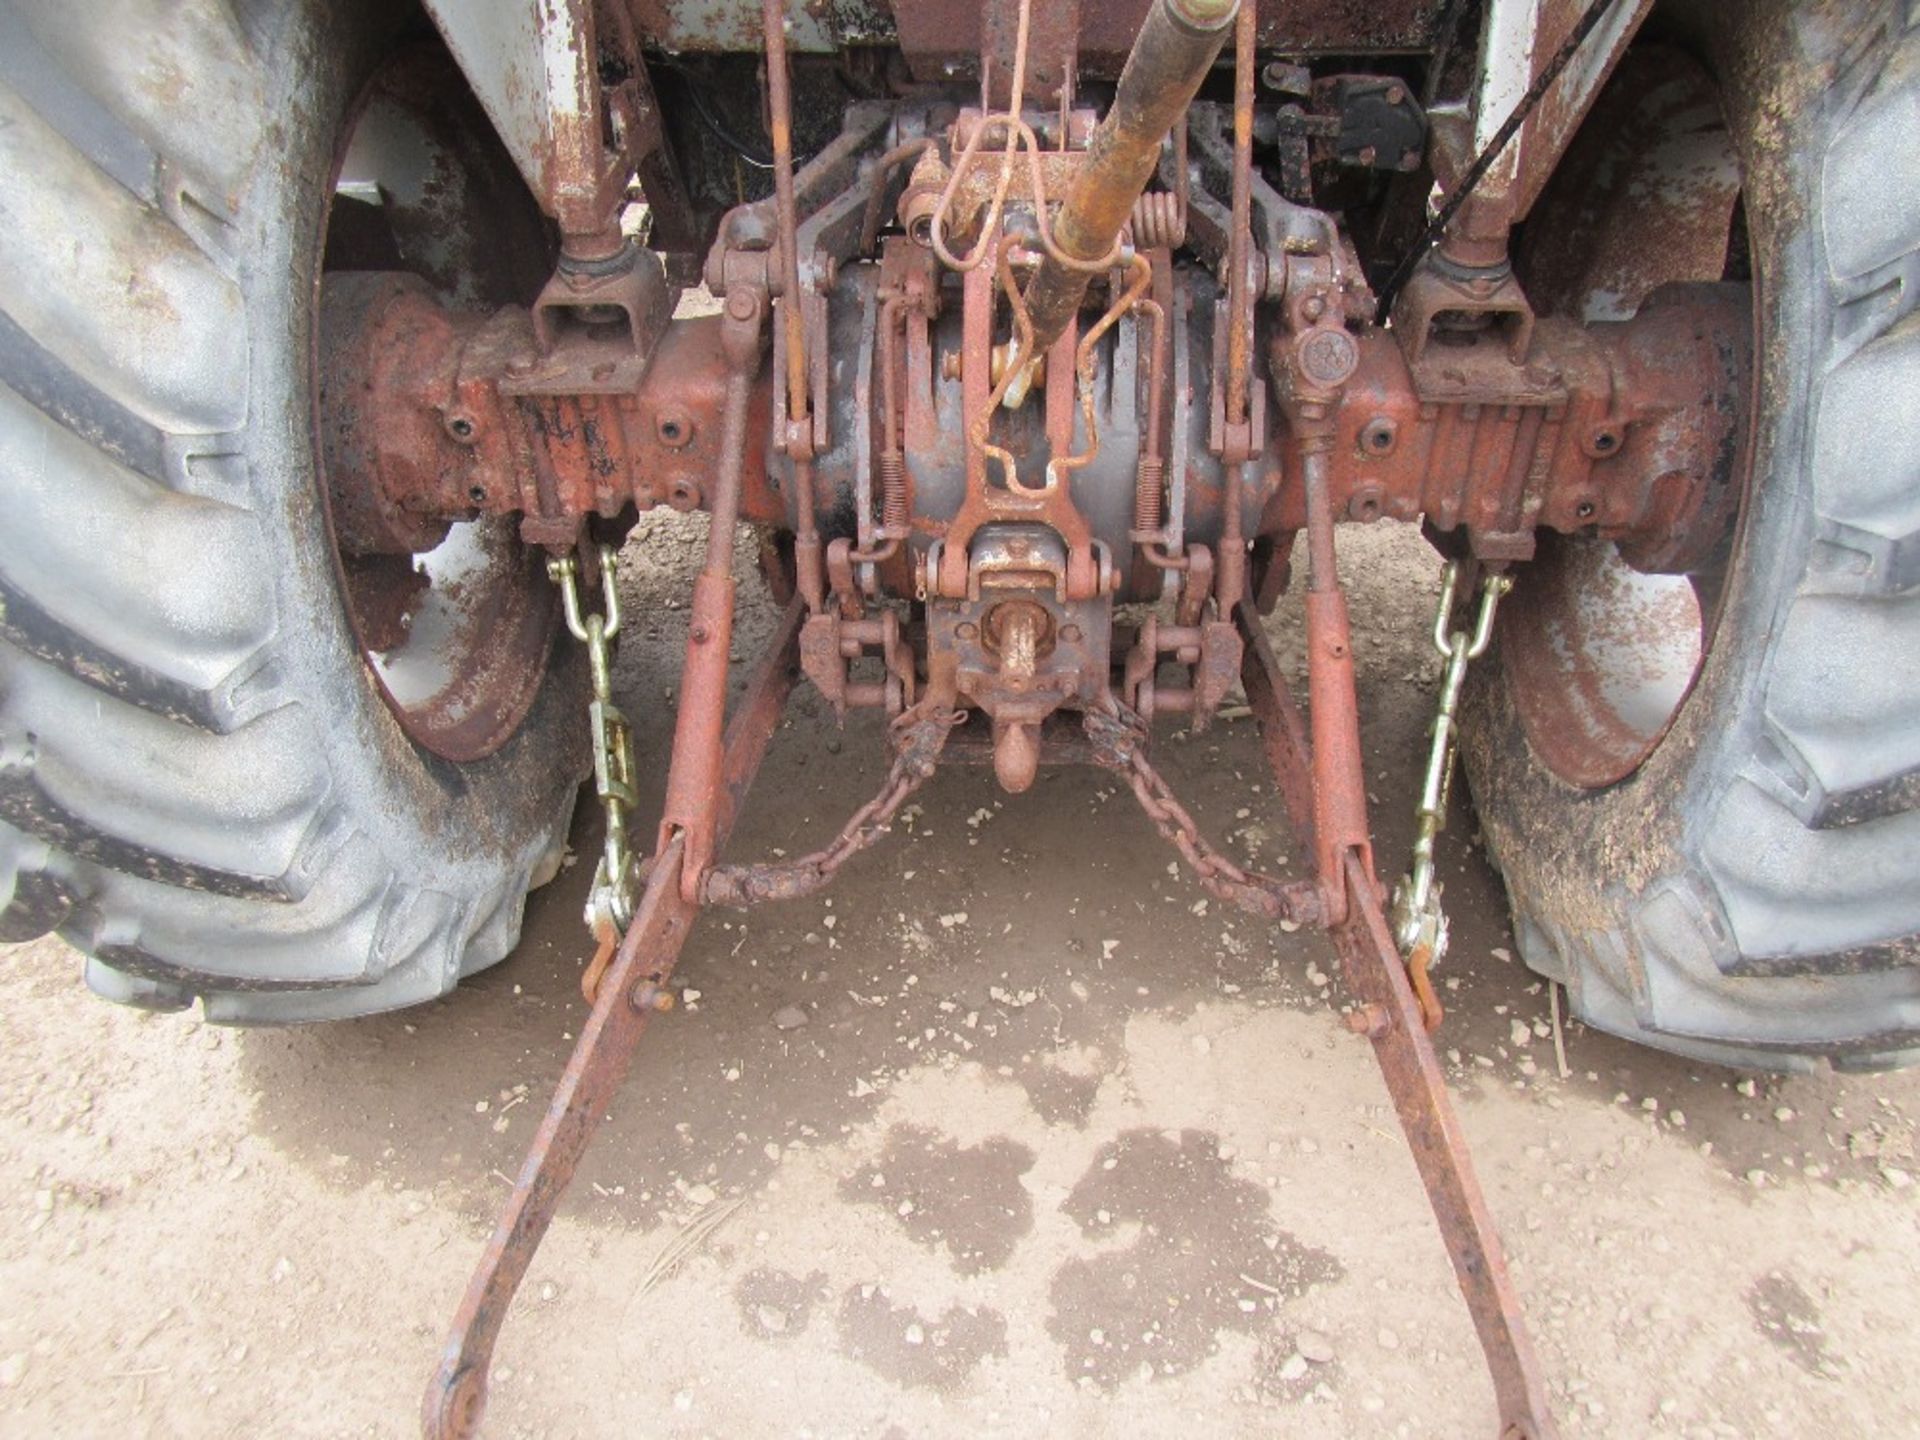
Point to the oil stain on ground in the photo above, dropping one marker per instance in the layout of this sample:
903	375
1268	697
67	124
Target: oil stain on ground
776	1305
967	1198
1058	1096
1206	1259
1786	1315
902	1345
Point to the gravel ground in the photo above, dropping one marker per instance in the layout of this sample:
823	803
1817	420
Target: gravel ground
1012	1133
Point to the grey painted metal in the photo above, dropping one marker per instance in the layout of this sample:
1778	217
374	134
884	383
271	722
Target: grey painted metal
1102	490
527	65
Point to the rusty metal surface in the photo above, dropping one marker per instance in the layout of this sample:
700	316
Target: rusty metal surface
941	466
1598	658
536	70
630	993
694	775
1240	289
1176	46
971	470
813	25
425	184
1627	431
1644	198
1052	50
1208	649
1563	108
1283	731
796	437
1339	780
676	224
502	50
1618	429
976	189
1063	742
438	414
1541	64
1237	416
1009	501
385	342
622	305
457	640
1442	302
937	35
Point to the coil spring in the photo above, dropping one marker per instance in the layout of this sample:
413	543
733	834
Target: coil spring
1159	221
893	490
1146	494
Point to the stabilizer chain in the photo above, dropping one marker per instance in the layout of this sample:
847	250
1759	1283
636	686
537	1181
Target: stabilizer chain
610	900
1419	922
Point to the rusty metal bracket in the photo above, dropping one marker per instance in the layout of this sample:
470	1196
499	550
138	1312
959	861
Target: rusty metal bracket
632	990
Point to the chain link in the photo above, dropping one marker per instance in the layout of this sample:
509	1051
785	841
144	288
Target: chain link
917	742
1118	738
1419	922
610	901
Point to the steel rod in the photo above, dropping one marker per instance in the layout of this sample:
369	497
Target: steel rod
793	320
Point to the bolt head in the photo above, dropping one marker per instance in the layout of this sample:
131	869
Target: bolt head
1369	1020
1327	356
648	996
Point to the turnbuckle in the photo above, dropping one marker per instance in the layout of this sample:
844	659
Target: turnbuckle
610	901
1419	922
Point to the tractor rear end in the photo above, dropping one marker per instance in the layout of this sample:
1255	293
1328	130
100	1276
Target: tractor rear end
1048	347
1046	389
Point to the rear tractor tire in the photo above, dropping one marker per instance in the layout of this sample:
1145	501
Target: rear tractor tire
1712	839
209	782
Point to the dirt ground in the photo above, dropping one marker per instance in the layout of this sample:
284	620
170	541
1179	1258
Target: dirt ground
1048	1144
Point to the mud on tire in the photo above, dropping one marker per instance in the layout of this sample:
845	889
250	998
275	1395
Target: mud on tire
200	785
1751	892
